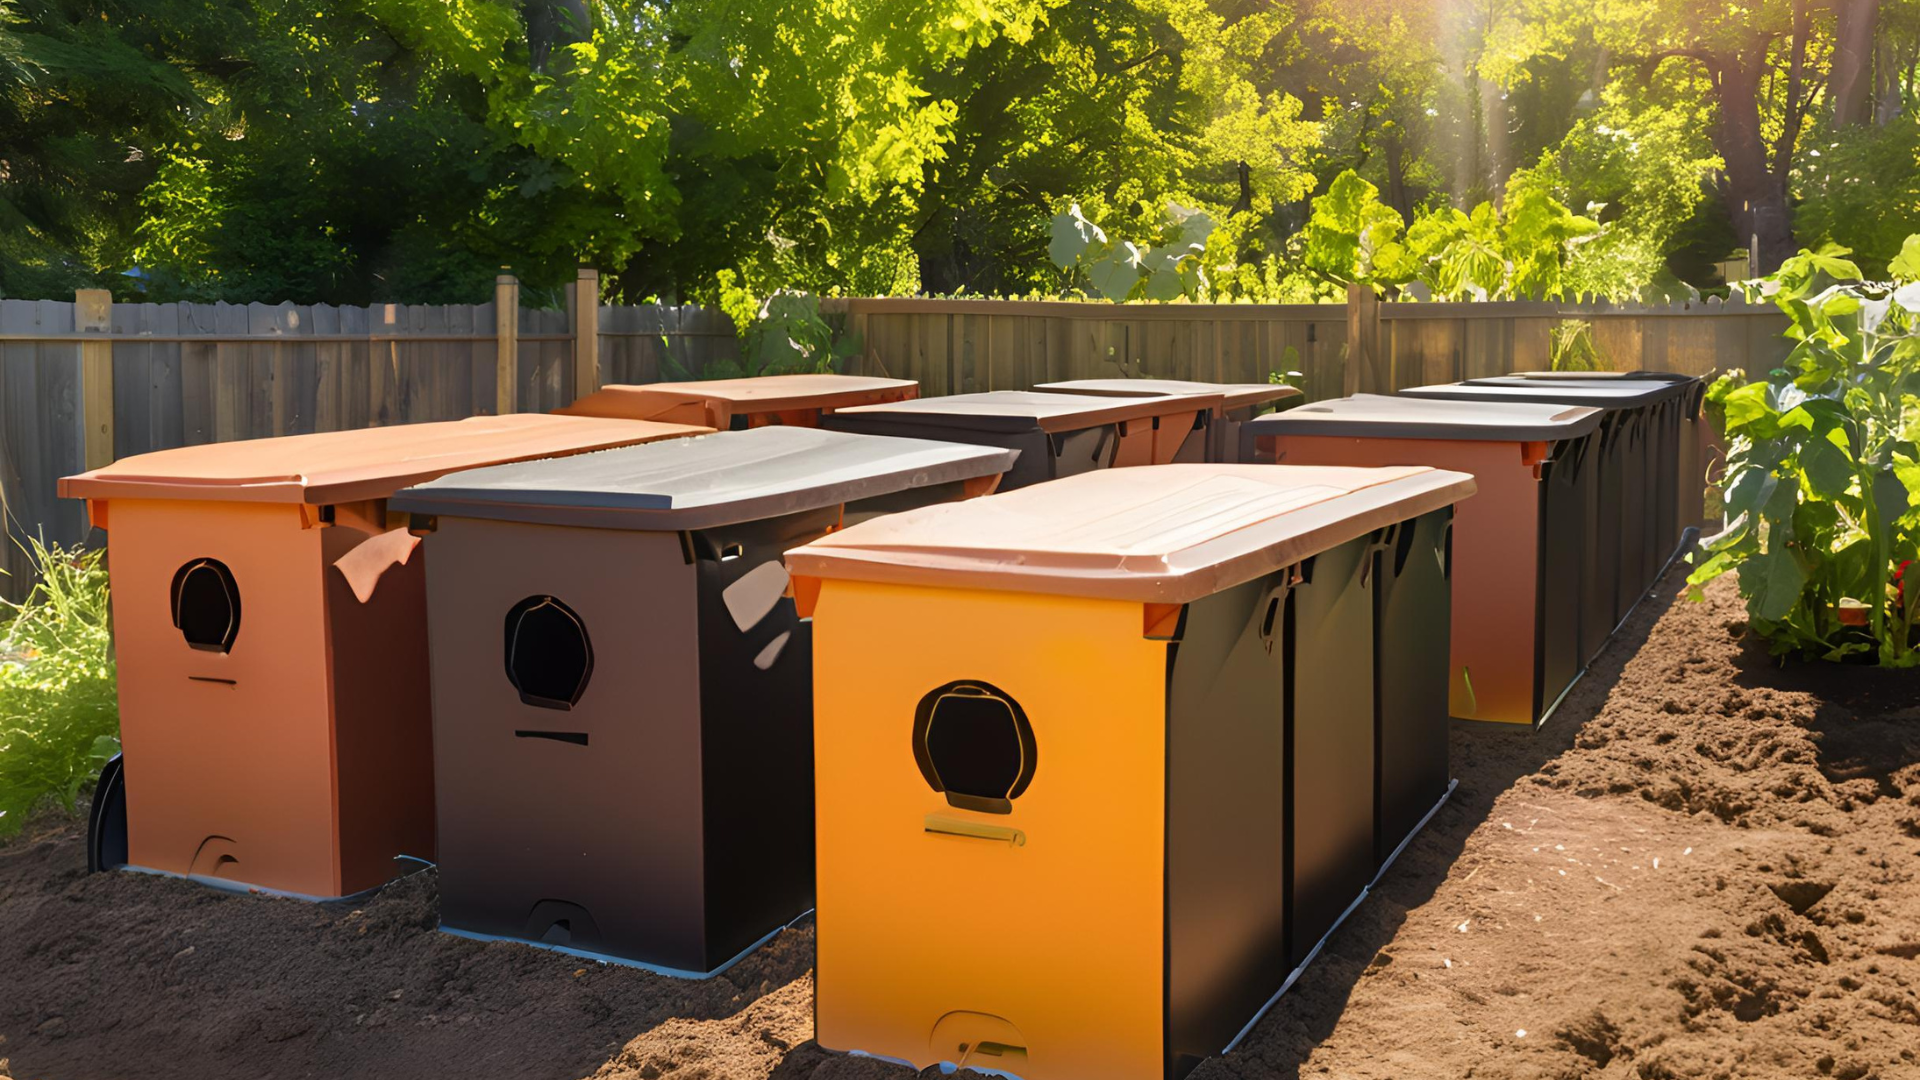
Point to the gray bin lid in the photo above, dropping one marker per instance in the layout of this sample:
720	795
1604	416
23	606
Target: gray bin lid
1606	376
1235	395
1604	394
1379	417
1024	410
702	482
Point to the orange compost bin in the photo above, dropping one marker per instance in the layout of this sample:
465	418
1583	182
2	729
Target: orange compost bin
733	404
1219	439
1094	760
1521	548
271	637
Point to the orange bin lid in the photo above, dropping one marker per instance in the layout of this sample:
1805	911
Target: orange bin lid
349	466
766	393
1234	395
1165	534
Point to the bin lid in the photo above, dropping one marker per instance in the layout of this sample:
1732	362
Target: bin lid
1380	417
1024	410
349	466
1602	394
1157	533
1594	376
699	483
1235	395
724	397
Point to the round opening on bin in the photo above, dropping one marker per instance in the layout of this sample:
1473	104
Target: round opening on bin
973	744
206	605
549	656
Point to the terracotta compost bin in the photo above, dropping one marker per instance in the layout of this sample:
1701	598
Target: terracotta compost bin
623	690
1528	585
1638	465
1219	441
1057	434
733	404
1127	720
270	628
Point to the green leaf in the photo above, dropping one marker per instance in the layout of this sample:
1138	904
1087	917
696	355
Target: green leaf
1074	238
1906	265
1827	467
1772	583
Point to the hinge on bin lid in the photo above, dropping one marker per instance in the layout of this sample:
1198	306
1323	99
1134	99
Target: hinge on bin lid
806	593
1161	622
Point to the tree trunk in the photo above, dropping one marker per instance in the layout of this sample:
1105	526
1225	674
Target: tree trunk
1756	196
1852	79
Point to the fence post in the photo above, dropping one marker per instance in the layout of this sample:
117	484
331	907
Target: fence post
93	314
585	301
1363	340
506	344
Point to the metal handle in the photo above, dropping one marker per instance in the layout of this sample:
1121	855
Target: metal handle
947	826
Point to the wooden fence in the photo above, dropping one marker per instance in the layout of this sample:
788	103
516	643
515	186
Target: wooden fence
85	382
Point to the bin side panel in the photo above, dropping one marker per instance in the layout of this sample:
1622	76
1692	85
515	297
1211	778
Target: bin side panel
382	716
756	698
1496	555
1329	746
1568	565
1226	791
1414	600
1053	945
229	755
589	815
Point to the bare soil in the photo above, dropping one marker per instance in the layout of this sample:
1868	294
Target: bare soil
1704	866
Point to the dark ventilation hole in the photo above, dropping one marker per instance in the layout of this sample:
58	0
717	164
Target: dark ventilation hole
549	657
206	605
973	743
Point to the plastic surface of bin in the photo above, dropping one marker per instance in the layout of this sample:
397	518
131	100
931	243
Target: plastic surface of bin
733	404
1523	566
1057	434
1135	711
623	690
270	626
1697	438
1628	463
1219	441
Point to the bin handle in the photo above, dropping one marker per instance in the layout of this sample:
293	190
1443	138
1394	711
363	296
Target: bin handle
942	825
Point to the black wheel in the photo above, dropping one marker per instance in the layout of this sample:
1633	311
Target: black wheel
107	821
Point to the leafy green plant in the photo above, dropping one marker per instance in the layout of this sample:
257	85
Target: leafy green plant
1822	486
785	334
59	706
1167	267
1570	347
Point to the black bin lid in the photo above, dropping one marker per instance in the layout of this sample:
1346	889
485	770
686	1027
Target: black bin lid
1601	394
1380	417
703	482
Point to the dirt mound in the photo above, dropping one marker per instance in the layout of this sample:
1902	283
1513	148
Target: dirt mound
1703	867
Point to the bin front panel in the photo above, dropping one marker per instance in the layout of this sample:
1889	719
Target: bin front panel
587	816
1330	749
1226	799
1495	625
1414	603
382	716
235	775
756	700
929	939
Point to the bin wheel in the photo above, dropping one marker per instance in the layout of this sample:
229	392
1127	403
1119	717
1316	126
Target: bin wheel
107	821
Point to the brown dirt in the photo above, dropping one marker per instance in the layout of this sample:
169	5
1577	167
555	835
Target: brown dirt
1703	867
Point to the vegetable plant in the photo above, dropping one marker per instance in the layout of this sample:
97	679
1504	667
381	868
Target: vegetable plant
1822	485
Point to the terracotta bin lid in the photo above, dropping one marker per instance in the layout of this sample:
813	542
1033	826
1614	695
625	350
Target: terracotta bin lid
1234	395
720	399
1378	416
350	466
703	482
1165	534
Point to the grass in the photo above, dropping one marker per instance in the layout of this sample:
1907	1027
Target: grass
59	706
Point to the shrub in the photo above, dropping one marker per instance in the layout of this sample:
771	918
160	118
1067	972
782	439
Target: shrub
59	709
1822	487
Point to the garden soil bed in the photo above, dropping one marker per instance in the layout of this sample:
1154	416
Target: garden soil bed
1704	866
